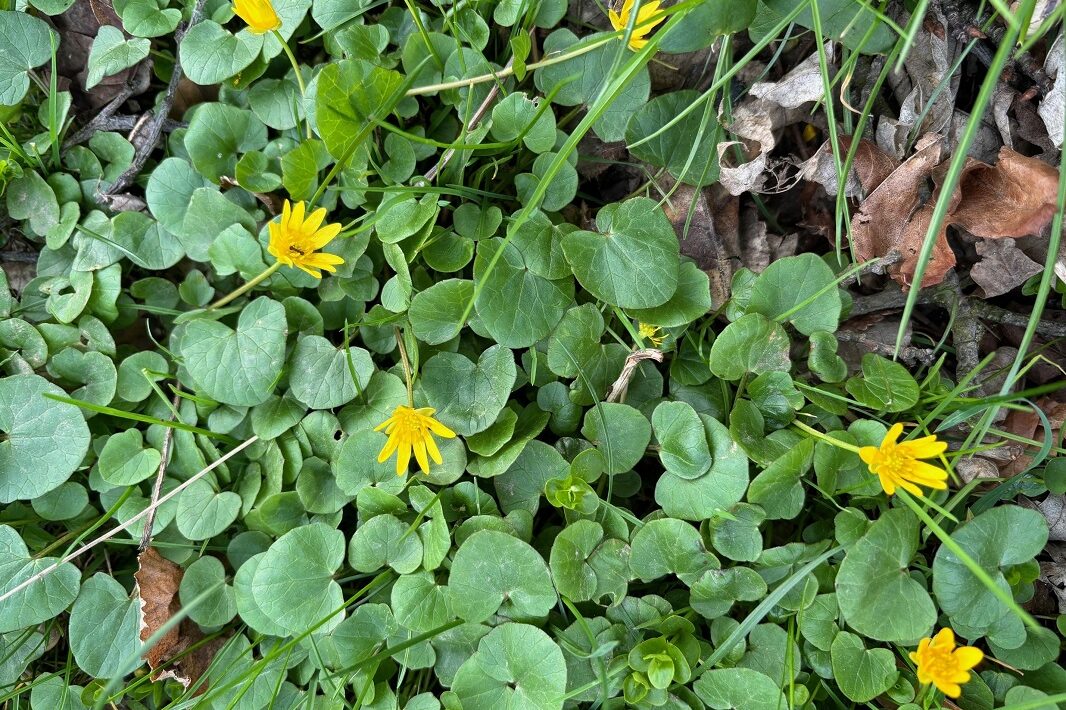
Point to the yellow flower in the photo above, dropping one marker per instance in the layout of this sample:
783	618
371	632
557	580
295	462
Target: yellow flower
651	333
295	240
258	14
943	665
897	464
412	429
647	18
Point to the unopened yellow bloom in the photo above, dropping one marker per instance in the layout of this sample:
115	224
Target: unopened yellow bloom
412	429
296	239
942	664
651	333
898	465
647	18
258	14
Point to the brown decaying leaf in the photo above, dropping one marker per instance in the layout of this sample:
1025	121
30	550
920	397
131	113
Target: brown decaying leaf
886	220
1002	268
1013	198
158	580
868	170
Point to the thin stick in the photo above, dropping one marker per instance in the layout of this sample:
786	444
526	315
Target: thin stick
155	126
114	531
474	120
618	389
146	536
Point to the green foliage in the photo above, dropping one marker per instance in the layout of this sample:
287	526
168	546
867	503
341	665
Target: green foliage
651	499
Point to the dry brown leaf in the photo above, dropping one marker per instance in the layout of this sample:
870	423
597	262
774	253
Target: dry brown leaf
1003	267
158	580
1013	198
701	237
892	218
868	170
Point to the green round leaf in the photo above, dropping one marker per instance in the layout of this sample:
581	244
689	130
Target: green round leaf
104	605
862	674
27	43
721	487
206	576
43	599
467	396
293	583
683	445
516	306
996	540
495	573
435	313
633	260
202	513
385	540
885	386
751	344
210	53
726	688
45	440
124	461
515	667
620	432
241	366
321	377
877	595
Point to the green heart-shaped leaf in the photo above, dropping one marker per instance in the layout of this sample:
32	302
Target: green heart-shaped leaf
238	367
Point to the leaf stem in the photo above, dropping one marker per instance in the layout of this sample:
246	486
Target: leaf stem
267	273
299	77
509	70
408	376
975	569
826	438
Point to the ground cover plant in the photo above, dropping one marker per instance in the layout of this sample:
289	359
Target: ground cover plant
532	354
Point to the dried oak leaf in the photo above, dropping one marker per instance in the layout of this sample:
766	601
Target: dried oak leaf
1013	198
158	580
892	218
868	170
1002	268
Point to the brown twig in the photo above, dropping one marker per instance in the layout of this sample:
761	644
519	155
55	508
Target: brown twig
618	389
168	437
149	137
119	528
439	166
138	84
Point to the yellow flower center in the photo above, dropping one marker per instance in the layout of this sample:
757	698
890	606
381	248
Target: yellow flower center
939	662
894	463
408	423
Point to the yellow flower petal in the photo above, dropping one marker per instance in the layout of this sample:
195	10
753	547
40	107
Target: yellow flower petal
295	239
898	465
940	663
411	430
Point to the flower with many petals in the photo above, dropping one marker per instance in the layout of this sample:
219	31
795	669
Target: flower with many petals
410	430
942	664
652	333
897	463
647	18
296	239
259	15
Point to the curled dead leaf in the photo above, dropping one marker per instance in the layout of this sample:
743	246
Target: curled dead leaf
868	170
1013	198
892	218
178	654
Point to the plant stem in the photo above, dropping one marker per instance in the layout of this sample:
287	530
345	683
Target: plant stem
508	71
407	374
299	76
267	273
825	437
975	569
